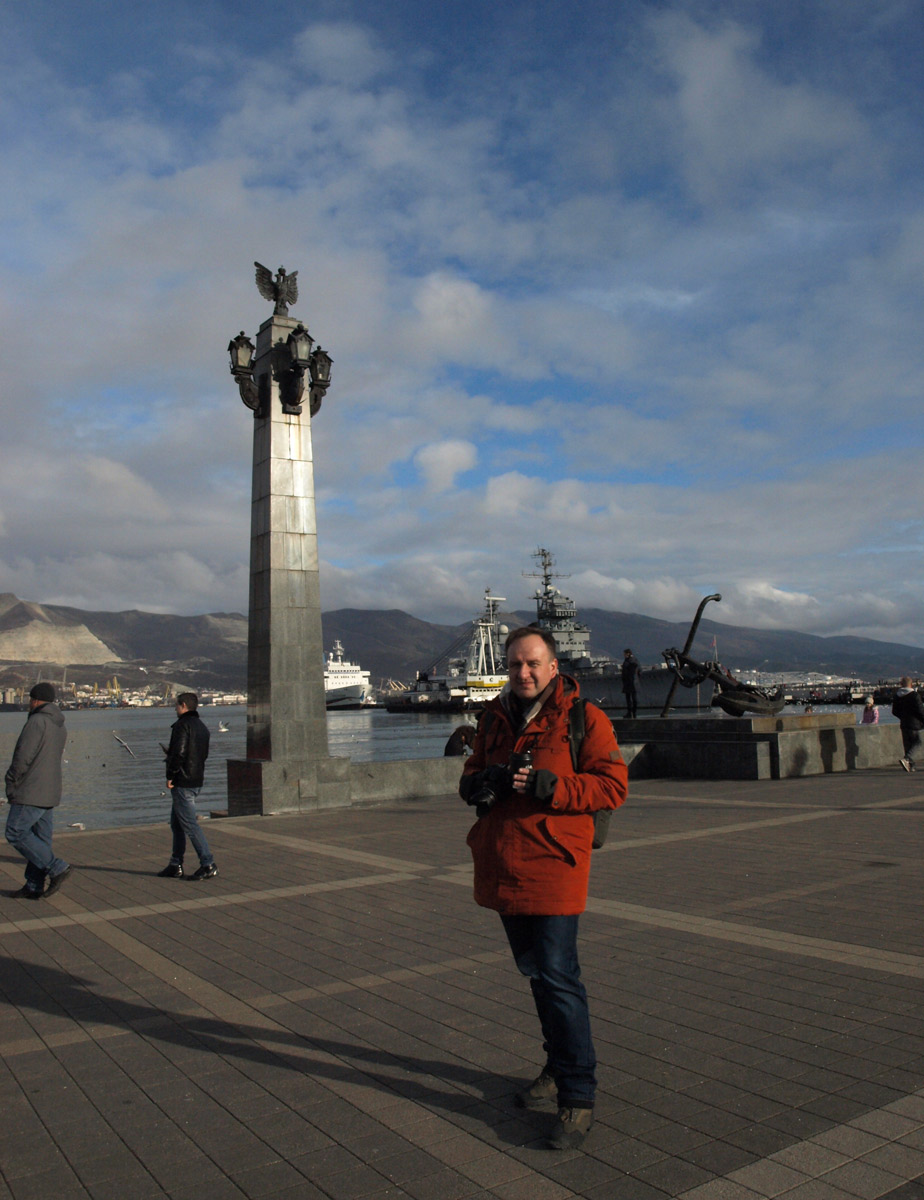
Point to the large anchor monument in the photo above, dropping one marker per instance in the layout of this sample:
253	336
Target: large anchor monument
287	767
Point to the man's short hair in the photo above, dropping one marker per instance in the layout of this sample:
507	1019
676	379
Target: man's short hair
189	700
905	681
516	635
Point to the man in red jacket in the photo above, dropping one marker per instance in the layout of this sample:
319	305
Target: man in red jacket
531	847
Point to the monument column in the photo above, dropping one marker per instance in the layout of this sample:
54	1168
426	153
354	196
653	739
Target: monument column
287	767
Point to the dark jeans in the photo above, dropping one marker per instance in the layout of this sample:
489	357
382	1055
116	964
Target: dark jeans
185	824
911	740
545	950
631	701
28	830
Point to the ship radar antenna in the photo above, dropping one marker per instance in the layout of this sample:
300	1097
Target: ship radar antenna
546	562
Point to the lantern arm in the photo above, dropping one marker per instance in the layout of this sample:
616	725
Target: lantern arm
241	349
319	366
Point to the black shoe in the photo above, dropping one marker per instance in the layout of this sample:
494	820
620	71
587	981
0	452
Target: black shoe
24	893
171	871
541	1093
208	872
571	1126
54	883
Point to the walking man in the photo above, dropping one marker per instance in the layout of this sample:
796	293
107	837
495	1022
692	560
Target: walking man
908	708
629	671
186	755
33	789
531	847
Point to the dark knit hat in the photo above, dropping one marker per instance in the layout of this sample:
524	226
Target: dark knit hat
44	692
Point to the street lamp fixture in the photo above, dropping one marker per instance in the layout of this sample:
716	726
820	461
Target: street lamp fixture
241	350
291	360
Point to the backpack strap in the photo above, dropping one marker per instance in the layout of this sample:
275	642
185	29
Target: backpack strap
577	724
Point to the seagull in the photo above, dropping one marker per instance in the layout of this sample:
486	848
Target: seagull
76	825
121	743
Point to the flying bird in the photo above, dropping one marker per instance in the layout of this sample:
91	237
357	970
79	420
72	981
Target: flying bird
125	744
283	290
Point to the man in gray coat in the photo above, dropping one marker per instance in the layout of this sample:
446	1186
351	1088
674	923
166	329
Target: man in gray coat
33	789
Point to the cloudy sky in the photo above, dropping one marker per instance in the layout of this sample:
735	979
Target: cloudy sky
639	281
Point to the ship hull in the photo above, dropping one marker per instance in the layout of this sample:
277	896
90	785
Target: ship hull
604	688
351	696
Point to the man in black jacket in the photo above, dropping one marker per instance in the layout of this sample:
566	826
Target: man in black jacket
910	712
186	755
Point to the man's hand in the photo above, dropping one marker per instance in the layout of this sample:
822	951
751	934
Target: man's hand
537	783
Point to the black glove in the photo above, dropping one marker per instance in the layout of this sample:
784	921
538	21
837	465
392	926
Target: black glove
541	784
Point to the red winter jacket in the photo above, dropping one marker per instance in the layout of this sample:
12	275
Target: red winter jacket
533	856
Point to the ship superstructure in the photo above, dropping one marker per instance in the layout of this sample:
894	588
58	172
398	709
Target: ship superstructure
600	677
466	674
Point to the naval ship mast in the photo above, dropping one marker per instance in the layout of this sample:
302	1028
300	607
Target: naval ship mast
558	614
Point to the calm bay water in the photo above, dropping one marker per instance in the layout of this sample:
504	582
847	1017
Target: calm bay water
107	785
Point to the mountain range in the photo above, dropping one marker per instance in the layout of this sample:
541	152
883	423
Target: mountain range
210	651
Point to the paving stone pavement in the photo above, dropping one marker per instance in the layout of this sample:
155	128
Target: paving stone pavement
332	1016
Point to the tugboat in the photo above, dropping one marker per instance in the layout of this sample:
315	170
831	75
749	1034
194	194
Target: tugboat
467	674
346	685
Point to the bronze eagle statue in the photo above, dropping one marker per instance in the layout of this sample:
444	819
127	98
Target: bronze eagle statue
283	290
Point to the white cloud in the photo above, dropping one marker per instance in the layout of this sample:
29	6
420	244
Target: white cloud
440	463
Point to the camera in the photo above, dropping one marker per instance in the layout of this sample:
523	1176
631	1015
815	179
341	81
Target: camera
496	782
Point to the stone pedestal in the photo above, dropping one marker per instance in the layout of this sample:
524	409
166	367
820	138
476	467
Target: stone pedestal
287	766
780	747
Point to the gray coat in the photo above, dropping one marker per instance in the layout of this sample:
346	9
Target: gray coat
34	776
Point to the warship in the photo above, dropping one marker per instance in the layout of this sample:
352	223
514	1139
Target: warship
600	677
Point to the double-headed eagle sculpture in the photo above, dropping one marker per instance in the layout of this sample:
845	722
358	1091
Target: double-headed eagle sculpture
283	290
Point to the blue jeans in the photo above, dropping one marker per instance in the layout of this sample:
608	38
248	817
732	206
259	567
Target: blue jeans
29	830
545	950
185	824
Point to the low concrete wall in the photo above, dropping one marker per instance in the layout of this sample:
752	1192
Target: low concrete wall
784	748
405	780
769	748
850	748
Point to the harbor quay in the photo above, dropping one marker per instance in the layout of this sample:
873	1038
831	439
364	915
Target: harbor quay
333	1016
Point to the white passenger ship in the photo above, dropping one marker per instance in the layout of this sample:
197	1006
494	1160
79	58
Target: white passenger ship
346	685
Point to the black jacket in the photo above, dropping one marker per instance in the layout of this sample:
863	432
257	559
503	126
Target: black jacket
187	752
909	710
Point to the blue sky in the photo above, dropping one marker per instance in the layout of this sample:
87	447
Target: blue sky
638	282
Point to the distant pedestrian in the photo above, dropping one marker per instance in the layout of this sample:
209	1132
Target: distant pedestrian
460	741
908	708
33	789
870	714
186	755
629	671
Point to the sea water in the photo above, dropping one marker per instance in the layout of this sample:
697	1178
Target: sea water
113	768
114	758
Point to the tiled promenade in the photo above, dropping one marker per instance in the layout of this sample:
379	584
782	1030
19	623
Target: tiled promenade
333	1017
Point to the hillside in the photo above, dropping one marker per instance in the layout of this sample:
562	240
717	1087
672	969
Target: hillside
210	651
